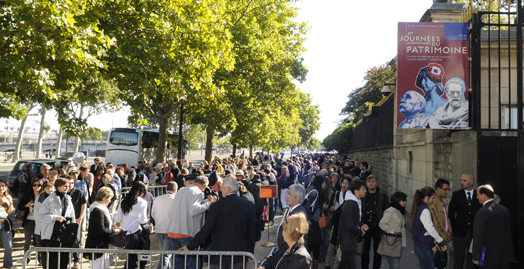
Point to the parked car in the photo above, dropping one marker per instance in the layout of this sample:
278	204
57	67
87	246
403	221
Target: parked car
75	157
37	163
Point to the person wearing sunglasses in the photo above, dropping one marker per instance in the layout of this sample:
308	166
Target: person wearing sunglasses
393	223
27	206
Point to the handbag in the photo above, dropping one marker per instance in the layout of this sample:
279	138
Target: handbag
360	246
390	245
20	215
440	258
118	240
322	221
265	214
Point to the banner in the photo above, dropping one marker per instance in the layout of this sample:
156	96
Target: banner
433	75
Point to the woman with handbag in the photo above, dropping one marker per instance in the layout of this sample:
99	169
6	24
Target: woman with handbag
6	208
54	211
424	233
100	230
315	199
131	217
394	236
325	226
26	210
336	202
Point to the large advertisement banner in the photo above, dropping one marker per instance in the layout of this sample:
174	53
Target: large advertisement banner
433	75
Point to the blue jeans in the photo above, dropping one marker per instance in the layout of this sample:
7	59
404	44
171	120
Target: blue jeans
325	243
7	241
162	242
425	257
189	260
393	262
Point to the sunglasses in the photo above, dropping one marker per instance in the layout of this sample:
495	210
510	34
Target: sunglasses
37	185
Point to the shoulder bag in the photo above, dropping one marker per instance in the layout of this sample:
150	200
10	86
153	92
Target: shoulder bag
390	245
119	240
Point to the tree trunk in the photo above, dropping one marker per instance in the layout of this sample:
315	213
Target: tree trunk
209	143
59	142
163	134
77	137
19	142
234	150
41	133
250	151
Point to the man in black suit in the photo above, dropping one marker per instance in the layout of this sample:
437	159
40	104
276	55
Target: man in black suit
231	224
492	230
294	198
94	167
462	208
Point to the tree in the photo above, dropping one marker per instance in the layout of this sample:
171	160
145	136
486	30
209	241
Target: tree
165	54
267	45
340	138
309	114
363	98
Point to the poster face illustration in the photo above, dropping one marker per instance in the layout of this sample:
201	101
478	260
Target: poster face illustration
433	75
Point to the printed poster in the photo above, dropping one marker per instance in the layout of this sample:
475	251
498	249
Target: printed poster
432	78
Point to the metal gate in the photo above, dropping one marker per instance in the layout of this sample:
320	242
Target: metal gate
496	108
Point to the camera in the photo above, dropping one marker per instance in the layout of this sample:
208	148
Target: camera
370	215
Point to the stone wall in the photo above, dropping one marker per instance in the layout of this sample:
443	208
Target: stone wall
419	158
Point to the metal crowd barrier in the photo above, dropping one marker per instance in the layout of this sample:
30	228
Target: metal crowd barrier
154	190
145	258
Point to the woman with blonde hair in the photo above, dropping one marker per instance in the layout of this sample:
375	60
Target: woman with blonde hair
6	208
296	255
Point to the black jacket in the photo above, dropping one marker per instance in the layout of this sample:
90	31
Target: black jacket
349	226
232	225
380	207
98	232
460	214
297	258
28	197
280	238
493	230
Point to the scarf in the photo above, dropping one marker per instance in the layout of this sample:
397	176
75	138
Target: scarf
103	208
400	208
63	200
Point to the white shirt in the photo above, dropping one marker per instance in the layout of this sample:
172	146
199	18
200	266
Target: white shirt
425	218
160	212
489	200
470	192
131	221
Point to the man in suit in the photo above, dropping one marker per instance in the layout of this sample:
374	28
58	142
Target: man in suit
94	167
492	230
231	224
294	198
462	208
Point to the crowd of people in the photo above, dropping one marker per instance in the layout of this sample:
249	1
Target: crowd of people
332	210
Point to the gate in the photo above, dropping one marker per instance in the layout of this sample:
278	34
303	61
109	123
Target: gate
496	108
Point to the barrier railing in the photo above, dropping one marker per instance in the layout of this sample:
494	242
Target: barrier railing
52	258
154	190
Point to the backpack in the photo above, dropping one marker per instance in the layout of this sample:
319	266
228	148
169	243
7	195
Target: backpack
161	179
312	208
20	182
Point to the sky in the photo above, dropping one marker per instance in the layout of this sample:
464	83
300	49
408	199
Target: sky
346	38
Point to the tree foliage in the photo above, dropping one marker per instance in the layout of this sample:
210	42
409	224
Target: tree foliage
340	138
363	98
360	102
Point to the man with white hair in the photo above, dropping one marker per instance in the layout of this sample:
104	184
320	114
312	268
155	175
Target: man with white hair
412	106
294	198
231	222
